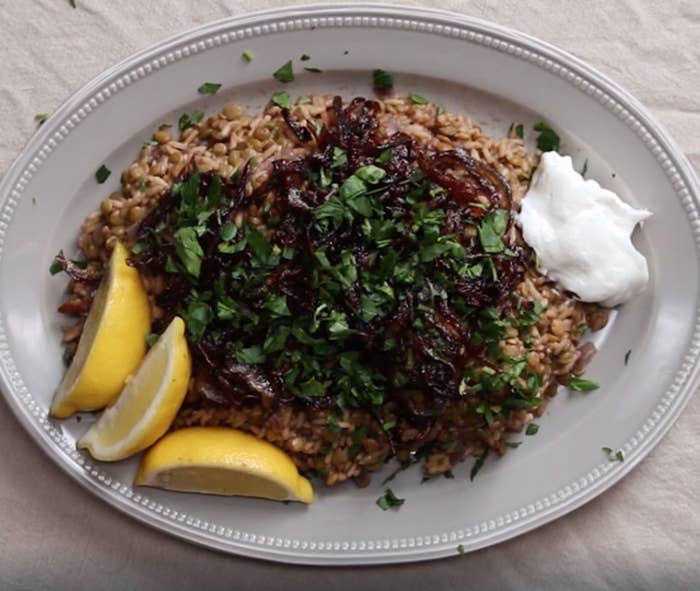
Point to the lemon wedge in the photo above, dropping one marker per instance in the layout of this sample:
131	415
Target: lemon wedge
148	403
113	342
222	461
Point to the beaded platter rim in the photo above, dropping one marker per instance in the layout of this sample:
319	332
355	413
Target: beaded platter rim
321	551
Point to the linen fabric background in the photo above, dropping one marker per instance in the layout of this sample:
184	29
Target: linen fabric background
643	533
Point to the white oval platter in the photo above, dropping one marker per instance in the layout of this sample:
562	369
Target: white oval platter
494	74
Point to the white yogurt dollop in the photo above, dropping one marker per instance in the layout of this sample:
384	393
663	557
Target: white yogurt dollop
581	233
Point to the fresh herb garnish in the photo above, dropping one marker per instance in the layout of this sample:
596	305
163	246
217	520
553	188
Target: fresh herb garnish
547	140
189	119
152	338
389	500
532	429
209	88
382	80
478	464
55	267
41	117
284	73
627	356
460	549
614	456
519	131
492	229
282	99
102	174
247	55
417	99
313	69
580	385
164	126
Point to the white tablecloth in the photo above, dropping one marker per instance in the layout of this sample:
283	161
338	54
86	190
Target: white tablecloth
642	534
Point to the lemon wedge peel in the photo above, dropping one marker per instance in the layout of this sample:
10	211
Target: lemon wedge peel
112	343
223	461
147	405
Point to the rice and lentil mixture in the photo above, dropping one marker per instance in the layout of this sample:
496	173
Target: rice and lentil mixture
534	338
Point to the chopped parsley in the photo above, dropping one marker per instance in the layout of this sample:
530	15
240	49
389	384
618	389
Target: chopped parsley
389	500
460	550
584	170
55	267
102	174
247	55
492	229
189	119
282	99
478	465
614	456
382	80
547	140
519	130
152	338
209	88
417	99
532	429
284	73
313	69
41	117
164	126
580	385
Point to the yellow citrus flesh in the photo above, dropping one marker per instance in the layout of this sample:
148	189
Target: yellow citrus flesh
148	403
112	344
222	461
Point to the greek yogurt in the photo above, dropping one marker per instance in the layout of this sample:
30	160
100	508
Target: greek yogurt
581	234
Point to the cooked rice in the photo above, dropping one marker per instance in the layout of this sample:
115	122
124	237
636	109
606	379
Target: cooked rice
224	143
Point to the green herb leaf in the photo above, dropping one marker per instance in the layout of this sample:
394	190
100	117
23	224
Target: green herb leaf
532	429
152	338
228	231
389	500
580	385
282	99
340	158
164	126
584	170
382	80
248	55
371	174
209	88
384	156
284	73
491	231
520	131
277	306
547	140
189	119
55	267
418	99
251	355
102	174
189	250
313	69
352	187
41	117
478	464
614	456
460	550
197	317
